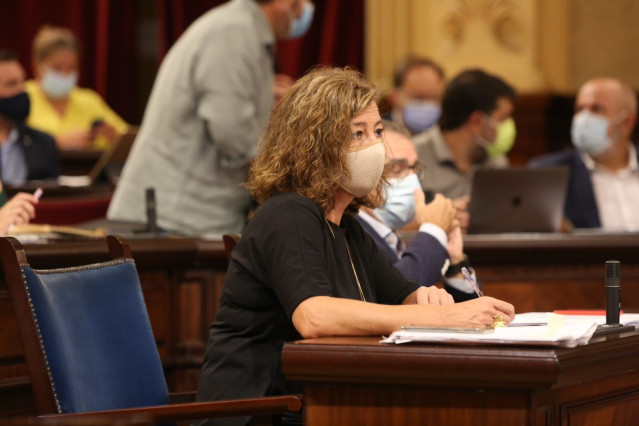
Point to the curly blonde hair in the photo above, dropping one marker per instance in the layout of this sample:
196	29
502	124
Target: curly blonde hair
304	147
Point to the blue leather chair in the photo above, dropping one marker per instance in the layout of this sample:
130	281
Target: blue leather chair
89	346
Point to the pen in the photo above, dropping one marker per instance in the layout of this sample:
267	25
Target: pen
38	193
471	281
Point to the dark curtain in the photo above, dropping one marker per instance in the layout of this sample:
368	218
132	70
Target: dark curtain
114	35
335	38
106	30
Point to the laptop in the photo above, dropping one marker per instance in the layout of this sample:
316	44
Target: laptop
110	162
517	200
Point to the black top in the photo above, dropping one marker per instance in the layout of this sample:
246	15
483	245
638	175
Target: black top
287	254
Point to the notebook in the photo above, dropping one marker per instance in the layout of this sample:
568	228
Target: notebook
517	200
111	161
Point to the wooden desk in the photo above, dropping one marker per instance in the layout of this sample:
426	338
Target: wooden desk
543	272
358	381
181	279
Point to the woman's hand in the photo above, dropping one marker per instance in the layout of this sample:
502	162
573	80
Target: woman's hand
432	296
477	313
19	210
77	139
105	130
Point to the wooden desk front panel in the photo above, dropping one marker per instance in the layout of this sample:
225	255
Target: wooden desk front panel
353	381
352	404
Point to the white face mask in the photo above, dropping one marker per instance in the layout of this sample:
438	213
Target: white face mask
366	165
589	133
299	26
399	209
57	85
421	116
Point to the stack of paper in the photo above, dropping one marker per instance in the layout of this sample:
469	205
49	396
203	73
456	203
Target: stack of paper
547	330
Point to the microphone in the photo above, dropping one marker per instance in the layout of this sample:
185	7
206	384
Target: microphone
151	224
613	291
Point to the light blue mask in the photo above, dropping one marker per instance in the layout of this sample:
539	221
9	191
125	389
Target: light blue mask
299	26
421	116
399	209
57	85
589	133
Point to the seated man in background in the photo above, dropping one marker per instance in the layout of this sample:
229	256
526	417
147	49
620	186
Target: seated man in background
77	117
418	84
25	153
426	258
475	129
603	190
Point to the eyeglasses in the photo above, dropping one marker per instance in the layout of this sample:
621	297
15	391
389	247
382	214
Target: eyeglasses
401	169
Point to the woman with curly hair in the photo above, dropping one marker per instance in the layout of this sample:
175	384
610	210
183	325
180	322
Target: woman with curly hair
304	267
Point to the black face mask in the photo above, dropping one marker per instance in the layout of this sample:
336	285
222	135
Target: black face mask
16	107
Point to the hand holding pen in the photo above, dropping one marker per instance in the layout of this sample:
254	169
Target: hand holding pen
499	320
19	210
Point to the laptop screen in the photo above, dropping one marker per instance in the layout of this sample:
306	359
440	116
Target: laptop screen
517	200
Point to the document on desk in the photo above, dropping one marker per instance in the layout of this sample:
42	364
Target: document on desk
545	329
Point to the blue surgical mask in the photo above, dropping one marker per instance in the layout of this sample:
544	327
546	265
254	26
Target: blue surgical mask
57	85
421	116
399	209
589	133
15	108
299	26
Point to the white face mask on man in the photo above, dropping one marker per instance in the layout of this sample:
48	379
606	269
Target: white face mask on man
589	132
299	26
399	209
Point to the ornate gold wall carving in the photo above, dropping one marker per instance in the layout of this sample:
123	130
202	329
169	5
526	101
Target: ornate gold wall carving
537	45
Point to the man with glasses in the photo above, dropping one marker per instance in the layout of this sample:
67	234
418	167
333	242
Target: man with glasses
437	248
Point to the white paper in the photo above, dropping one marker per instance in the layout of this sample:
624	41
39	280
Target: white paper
557	330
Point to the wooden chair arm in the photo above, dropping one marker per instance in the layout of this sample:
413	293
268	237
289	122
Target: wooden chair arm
192	411
182	397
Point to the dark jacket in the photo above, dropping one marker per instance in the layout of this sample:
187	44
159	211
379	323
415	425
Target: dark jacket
421	262
581	206
40	152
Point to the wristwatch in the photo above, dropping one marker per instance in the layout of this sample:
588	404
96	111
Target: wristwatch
455	268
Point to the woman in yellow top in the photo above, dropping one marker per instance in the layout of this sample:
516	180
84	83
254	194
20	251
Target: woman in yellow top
77	118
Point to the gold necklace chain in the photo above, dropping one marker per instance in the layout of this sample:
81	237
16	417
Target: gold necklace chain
350	258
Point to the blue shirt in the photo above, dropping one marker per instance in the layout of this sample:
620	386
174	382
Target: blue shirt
14	163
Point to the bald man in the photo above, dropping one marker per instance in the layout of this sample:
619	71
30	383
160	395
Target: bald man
603	190
437	248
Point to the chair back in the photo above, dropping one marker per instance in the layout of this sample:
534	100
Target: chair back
86	333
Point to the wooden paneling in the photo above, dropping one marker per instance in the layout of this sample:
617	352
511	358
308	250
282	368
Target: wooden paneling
351	381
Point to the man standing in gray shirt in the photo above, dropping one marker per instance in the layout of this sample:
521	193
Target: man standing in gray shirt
210	102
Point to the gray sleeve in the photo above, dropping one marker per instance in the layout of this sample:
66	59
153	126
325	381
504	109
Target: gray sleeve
227	77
